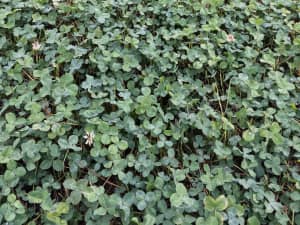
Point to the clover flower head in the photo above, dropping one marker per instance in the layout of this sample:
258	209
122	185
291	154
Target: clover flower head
89	137
36	46
230	38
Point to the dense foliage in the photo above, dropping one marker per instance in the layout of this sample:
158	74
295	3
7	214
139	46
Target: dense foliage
149	112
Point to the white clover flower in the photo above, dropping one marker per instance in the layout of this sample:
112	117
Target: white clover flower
89	138
230	38
36	46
